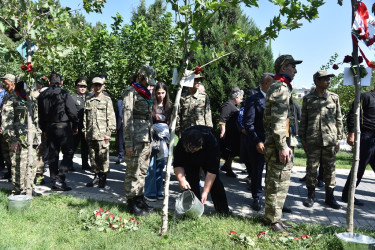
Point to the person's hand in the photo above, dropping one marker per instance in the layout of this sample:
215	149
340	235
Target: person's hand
285	155
260	148
243	131
129	151
204	197
350	139
75	131
184	184
15	146
106	139
222	134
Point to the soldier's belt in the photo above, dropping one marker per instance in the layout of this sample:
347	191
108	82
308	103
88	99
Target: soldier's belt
141	117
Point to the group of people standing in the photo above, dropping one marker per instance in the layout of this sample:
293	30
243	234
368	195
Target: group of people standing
267	128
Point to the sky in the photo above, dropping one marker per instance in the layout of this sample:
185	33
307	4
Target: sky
313	42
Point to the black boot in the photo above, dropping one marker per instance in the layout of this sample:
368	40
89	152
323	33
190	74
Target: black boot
102	180
94	182
134	209
330	199
309	202
141	203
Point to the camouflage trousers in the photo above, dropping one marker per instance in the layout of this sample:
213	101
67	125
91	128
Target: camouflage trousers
277	184
326	156
19	170
136	169
40	151
99	156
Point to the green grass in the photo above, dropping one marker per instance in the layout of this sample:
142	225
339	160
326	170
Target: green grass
53	222
343	159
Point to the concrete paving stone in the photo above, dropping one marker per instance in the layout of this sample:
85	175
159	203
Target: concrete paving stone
239	197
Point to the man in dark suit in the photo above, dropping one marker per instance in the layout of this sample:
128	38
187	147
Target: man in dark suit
253	122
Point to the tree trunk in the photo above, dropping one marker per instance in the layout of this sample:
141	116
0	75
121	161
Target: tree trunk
356	149
164	227
29	174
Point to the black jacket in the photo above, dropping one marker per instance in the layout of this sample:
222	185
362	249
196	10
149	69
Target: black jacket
56	105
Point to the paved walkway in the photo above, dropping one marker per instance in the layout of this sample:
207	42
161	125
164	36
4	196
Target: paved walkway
239	198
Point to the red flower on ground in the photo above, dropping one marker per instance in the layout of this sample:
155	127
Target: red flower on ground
296	238
101	209
119	218
107	212
44	78
232	232
261	233
98	214
335	66
347	59
112	216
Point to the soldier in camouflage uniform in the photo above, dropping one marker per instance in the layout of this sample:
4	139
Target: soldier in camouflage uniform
278	124
137	107
320	131
79	99
15	131
194	108
9	85
98	124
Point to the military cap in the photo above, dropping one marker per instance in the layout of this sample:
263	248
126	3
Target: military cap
149	73
322	73
285	60
98	80
81	81
9	77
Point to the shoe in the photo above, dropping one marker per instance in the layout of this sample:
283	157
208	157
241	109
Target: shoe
119	161
140	202
86	167
330	199
309	202
134	209
320	183
225	168
278	227
36	194
160	197
287	210
356	201
285	225
60	186
151	198
102	180
231	174
256	205
303	178
94	182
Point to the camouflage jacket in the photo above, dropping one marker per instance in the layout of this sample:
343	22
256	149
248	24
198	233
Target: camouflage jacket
321	120
79	101
137	118
14	119
278	116
194	110
99	119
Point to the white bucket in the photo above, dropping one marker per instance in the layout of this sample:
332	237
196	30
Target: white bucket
187	203
356	241
19	202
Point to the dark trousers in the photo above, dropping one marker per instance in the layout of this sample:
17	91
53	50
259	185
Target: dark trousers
217	192
257	166
366	156
80	138
59	136
120	144
244	153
